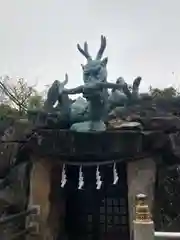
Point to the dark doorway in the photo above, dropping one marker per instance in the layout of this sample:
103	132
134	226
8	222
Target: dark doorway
97	214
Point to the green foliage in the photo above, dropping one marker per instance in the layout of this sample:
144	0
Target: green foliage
163	93
35	101
6	110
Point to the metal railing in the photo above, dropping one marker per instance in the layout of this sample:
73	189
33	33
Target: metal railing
172	235
31	229
144	225
14	217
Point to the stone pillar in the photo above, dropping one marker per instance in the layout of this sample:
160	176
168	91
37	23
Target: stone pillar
40	186
141	176
58	204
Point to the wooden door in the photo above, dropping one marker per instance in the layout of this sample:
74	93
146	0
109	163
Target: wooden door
97	214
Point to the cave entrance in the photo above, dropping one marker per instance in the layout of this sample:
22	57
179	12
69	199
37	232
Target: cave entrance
93	214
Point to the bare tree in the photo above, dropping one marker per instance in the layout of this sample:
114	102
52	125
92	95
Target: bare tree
17	92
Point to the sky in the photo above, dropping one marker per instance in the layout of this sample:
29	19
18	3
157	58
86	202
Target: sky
38	39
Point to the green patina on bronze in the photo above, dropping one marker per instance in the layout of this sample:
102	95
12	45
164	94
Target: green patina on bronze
118	124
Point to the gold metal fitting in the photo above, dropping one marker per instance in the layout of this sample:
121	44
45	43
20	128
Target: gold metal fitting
142	212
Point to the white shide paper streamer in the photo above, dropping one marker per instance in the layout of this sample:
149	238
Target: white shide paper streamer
115	174
98	178
81	178
63	176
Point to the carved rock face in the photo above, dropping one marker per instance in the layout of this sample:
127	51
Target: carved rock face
95	71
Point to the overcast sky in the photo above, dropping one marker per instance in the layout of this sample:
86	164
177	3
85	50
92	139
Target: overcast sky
38	39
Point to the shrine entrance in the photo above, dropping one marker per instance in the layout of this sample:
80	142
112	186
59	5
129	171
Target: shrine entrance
93	214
